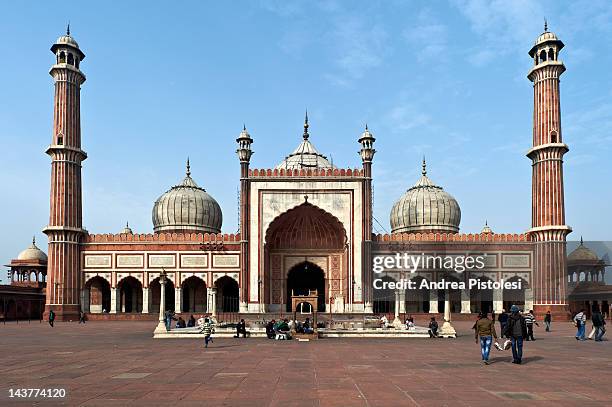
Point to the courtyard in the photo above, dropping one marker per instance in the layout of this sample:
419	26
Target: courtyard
118	363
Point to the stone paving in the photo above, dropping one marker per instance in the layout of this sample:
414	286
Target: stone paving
118	363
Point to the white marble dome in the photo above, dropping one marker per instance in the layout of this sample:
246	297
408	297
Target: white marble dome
187	208
425	207
32	253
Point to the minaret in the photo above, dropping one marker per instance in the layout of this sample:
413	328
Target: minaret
548	228
367	155
65	228
244	153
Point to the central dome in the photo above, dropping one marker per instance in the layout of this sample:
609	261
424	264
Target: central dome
187	208
305	155
425	207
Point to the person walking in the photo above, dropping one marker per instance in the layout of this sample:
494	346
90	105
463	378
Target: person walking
51	318
503	321
599	324
516	330
484	331
81	317
530	320
207	329
580	322
547	320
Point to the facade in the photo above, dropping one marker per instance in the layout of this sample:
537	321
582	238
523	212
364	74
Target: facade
305	223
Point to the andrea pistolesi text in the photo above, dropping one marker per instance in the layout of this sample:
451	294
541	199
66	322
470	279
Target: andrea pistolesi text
472	283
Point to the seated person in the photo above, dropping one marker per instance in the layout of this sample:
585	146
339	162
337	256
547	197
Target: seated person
409	323
433	328
282	327
307	328
241	329
180	323
191	322
270	329
384	321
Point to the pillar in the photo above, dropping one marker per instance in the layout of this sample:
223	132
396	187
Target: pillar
213	301
528	299
146	293
178	299
402	302
85	300
498	301
465	301
161	325
114	291
433	301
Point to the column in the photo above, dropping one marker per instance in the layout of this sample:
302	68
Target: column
498	301
161	326
528	299
433	301
397	304
114	300
213	301
178	299
85	300
465	301
402	302
146	291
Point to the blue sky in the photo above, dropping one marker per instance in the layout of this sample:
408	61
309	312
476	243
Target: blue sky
444	79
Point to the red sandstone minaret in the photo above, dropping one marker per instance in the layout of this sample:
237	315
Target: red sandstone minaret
65	220
367	155
548	228
244	153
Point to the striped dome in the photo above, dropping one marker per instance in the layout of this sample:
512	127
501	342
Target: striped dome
425	207
187	208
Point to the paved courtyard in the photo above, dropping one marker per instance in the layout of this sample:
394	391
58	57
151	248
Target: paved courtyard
118	363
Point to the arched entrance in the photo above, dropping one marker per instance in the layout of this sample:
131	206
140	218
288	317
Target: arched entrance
306	247
156	294
130	299
99	295
417	300
384	298
481	300
227	294
304	277
194	295
515	297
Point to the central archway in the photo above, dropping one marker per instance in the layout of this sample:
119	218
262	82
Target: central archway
304	277
306	234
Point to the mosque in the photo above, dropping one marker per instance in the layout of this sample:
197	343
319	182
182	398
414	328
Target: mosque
305	224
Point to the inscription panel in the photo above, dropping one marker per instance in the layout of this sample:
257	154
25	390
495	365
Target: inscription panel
516	260
130	260
162	260
226	260
103	260
194	260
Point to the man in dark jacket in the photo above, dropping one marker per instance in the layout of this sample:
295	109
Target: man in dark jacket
241	329
516	330
598	324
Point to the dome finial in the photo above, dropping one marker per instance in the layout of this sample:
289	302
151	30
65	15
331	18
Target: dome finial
366	127
188	168
306	135
33	240
243	126
68	28
424	171
545	25
581	242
